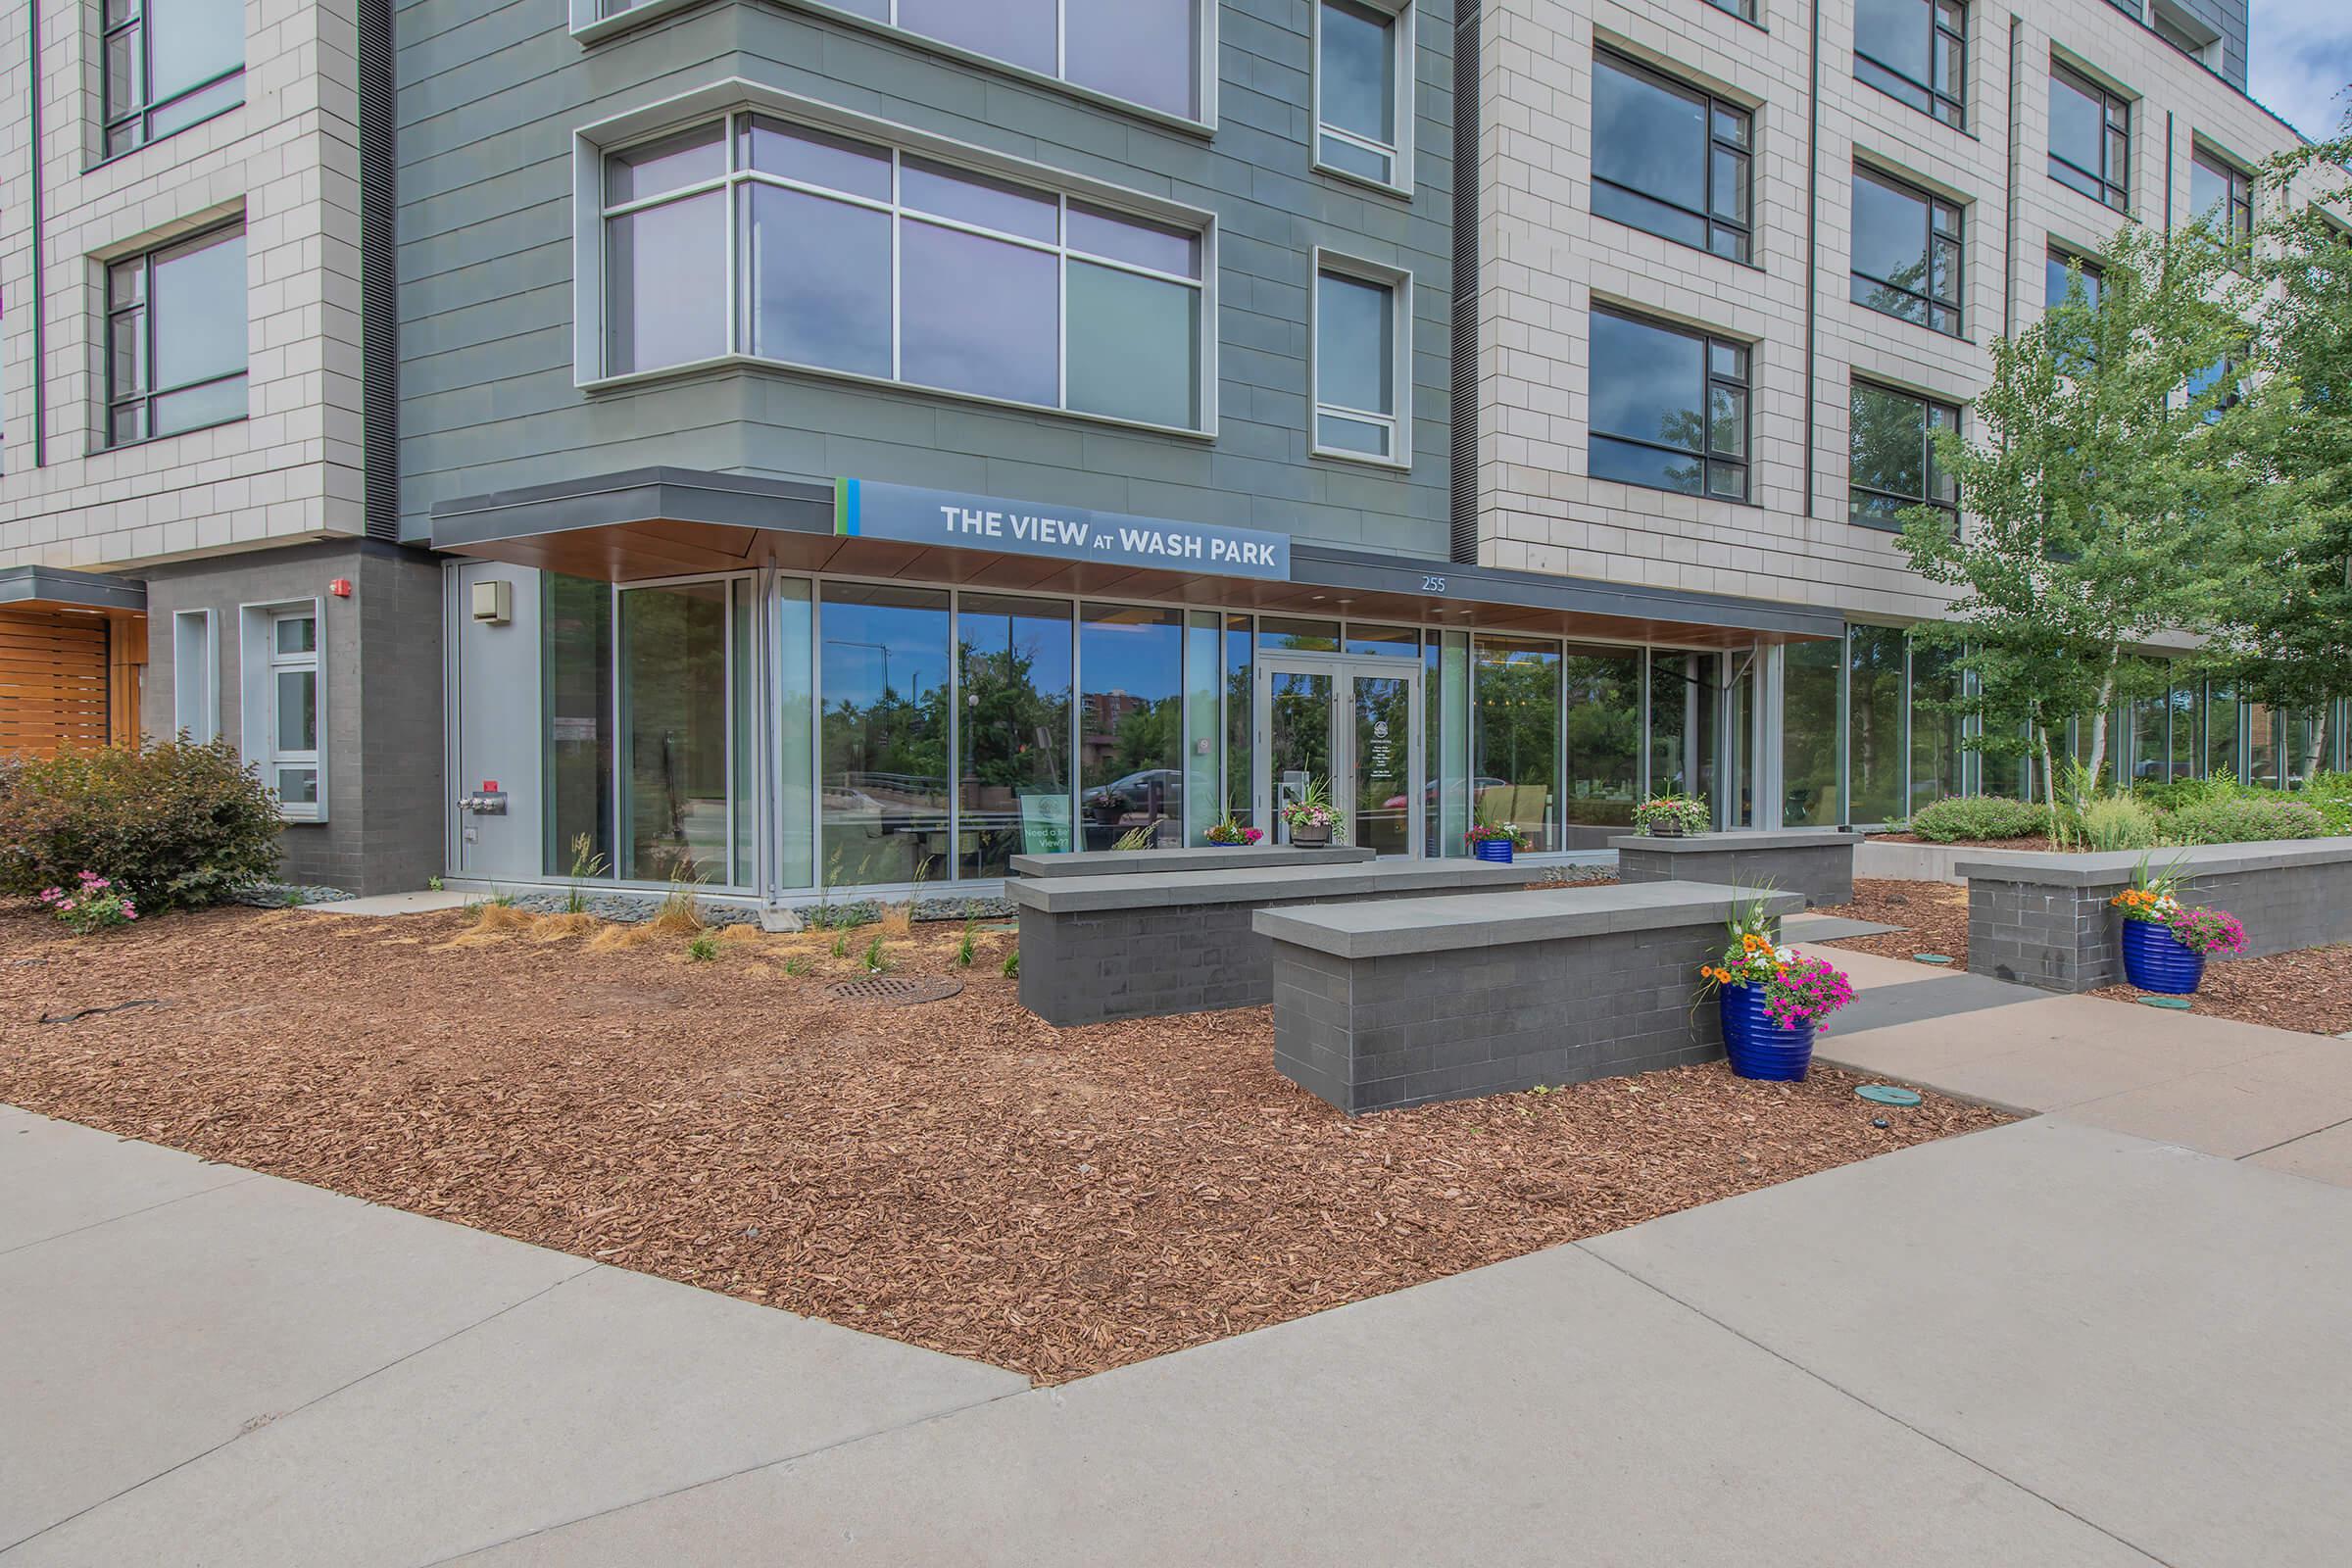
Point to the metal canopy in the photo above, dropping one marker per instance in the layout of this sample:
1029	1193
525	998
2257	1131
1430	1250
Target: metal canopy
669	522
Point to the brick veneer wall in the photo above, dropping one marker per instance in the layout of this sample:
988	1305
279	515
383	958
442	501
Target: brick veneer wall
2049	925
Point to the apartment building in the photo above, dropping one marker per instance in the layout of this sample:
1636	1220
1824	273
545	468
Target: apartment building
197	527
845	443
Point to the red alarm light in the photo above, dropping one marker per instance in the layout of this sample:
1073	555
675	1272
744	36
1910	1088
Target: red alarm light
340	587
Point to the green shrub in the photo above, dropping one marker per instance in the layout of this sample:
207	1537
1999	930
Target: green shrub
180	826
2187	792
2331	795
2118	822
1979	816
2251	820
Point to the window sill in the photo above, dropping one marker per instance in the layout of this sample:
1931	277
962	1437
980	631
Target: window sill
1361	458
1683	244
587	34
2124	213
156	141
634	380
1363	181
1933	331
297	815
1688	495
1926	115
170	435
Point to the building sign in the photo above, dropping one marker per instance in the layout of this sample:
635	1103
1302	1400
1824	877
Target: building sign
868	510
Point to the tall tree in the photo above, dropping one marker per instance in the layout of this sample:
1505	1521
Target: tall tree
2285	638
2102	500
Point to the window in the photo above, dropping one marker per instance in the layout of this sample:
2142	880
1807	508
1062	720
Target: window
1745	10
1893	457
2057	279
2222	195
195	677
168	65
175	337
1669	408
1915	50
1365	91
292	768
1907	253
1362	362
1670	159
1142	52
2220	381
2091	138
861	260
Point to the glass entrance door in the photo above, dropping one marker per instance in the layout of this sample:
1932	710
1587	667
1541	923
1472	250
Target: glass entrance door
1353	725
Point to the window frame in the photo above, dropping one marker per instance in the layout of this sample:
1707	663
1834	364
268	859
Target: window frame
2093	270
2114	184
1930	408
1710	381
729	103
589	27
1931	238
140	115
1745	10
2238	193
1404	54
1939	101
1398	422
1711	103
259	664
112	400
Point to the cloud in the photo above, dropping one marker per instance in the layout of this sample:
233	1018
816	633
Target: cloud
2301	62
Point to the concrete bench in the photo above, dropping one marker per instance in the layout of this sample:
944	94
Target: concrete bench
1208	858
1378	1005
2045	920
1818	863
1150	943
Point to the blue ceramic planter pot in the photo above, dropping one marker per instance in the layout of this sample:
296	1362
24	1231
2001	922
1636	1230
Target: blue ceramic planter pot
1494	850
1757	1046
2155	960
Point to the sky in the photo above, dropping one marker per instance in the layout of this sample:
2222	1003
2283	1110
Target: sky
2302	61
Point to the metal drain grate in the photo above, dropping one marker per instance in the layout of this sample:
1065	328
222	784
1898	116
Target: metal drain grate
895	990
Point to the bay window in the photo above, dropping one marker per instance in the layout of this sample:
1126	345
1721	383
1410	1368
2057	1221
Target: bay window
175	337
858	258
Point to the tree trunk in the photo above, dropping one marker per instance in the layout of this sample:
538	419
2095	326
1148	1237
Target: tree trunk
2319	742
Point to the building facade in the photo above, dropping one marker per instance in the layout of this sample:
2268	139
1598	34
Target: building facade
841	443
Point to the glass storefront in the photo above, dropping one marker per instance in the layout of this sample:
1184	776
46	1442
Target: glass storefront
1811	678
883	735
687	812
1012	790
1602	739
1876	751
1937	754
1515	736
1130	728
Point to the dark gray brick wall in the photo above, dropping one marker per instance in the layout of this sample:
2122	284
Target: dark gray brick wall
1824	873
1149	962
1373	1033
2068	937
381	651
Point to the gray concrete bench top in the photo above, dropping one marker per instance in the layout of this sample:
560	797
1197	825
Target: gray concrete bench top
1055	895
2117	865
1745	838
1207	857
1395	926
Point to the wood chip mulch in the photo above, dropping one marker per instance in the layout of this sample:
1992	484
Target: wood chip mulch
957	1175
1934	916
2310	991
2036	844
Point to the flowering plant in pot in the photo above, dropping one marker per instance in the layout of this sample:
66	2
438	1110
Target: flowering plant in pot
1227	831
1497	841
1310	816
93	905
1671	816
2166	942
1772	998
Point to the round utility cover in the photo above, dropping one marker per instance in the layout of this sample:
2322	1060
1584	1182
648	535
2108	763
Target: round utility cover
1930	957
1887	1095
2177	1003
901	990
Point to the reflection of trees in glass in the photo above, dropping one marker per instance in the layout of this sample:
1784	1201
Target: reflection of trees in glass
1809	733
1015	735
576	621
1604	737
1935	714
674	692
1515	733
1874	741
883	734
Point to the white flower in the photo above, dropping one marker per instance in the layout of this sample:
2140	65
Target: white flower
1785	955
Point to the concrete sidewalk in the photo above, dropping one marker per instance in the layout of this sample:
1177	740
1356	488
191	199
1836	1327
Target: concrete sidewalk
2048	1343
2235	1090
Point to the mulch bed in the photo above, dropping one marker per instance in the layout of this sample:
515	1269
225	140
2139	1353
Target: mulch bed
1934	916
2038	844
959	1175
2310	991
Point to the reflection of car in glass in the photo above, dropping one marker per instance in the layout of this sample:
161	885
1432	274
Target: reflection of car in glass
1137	792
1429	796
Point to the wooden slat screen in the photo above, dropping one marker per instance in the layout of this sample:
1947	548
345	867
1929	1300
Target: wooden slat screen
54	682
